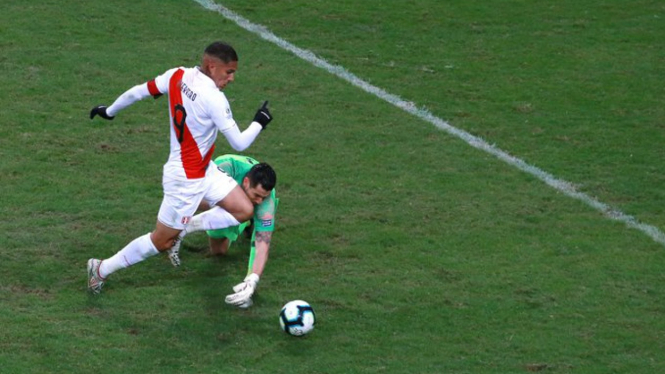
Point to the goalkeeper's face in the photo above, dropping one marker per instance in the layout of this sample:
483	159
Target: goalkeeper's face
255	194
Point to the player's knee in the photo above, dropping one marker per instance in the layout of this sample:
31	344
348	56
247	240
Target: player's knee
162	243
219	247
222	251
245	214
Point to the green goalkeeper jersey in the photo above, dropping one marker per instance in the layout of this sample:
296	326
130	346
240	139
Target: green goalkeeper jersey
237	167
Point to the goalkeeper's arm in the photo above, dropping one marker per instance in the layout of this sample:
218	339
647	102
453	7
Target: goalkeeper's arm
259	252
257	262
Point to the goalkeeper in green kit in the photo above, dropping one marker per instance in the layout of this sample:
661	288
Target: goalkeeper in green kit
258	181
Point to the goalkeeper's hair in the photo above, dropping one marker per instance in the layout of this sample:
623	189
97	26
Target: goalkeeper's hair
222	51
262	174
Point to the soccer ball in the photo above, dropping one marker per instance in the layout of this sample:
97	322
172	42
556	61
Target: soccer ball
297	318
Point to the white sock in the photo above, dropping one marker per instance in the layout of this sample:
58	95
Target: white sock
212	219
136	251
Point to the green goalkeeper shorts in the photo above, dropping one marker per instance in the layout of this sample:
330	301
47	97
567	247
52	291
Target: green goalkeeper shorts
230	233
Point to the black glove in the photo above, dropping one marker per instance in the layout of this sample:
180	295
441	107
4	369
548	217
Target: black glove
263	115
100	111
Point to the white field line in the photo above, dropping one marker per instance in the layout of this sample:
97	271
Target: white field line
409	107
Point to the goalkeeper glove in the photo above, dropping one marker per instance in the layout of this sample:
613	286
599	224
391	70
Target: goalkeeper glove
263	116
100	110
243	292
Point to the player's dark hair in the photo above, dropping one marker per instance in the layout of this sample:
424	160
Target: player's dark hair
222	51
263	174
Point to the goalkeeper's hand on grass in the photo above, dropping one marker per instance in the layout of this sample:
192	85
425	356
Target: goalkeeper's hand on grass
242	297
100	110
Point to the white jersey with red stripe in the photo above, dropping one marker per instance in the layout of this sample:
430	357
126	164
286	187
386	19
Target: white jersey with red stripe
197	111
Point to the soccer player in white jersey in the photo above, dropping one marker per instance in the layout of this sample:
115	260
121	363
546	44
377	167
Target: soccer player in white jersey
198	110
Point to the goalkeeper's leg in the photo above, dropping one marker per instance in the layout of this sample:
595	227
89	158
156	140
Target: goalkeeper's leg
218	247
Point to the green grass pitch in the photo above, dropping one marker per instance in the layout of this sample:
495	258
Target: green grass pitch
419	253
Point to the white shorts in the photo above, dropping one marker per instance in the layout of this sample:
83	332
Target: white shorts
182	197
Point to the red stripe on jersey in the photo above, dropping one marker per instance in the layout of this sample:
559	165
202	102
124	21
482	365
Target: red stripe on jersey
194	165
152	88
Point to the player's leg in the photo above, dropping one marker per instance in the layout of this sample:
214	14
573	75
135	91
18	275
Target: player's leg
164	237
179	203
212	219
219	247
139	249
237	204
221	239
229	205
228	195
136	251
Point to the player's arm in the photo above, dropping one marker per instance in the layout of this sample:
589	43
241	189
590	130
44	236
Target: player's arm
257	261
264	224
154	88
259	252
239	141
